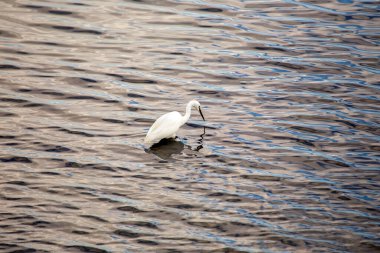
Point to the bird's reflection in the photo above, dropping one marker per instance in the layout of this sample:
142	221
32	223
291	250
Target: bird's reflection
168	147
200	141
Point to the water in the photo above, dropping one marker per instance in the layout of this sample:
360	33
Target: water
287	161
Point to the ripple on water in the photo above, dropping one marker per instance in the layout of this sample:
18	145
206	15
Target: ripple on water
289	149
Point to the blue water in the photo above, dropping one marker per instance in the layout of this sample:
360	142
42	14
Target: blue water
286	161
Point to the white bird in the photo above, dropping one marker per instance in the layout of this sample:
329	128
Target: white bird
168	124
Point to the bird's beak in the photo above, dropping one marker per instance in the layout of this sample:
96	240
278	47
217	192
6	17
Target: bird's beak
200	111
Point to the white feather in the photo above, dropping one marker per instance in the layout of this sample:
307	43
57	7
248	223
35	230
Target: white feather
168	124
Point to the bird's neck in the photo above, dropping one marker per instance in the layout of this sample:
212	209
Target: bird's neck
186	117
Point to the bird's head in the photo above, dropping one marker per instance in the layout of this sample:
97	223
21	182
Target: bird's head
197	106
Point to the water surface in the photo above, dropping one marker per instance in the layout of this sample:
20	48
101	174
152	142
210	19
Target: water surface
288	160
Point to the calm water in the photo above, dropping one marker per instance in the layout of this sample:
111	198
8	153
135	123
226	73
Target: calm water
287	161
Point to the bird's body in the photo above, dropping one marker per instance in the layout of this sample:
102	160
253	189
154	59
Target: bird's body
164	127
168	124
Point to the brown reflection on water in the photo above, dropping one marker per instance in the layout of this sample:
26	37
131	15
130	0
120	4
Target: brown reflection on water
286	161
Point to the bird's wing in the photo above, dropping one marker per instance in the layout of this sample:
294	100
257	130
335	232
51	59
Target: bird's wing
164	127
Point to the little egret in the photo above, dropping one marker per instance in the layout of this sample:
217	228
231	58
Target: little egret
168	124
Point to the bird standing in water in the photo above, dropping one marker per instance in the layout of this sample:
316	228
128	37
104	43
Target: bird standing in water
168	124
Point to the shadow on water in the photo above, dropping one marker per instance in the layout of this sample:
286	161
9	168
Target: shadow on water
168	147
